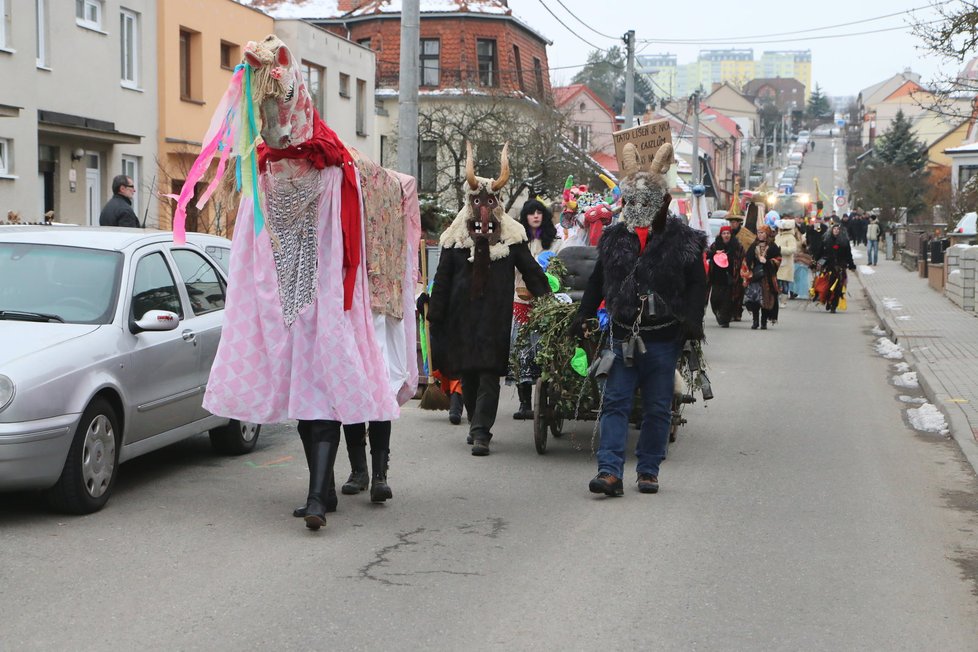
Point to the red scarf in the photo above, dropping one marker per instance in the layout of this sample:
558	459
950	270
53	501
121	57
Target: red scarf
326	149
643	237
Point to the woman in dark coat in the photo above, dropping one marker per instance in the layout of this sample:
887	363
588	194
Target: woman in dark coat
761	266
838	258
724	276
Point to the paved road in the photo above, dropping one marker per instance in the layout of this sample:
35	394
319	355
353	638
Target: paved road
798	512
827	164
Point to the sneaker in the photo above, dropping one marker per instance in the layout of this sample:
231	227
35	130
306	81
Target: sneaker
648	483
607	484
480	447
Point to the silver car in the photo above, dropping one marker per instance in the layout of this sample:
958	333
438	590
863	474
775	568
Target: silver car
107	336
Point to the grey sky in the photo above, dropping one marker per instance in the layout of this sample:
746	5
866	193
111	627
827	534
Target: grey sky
842	66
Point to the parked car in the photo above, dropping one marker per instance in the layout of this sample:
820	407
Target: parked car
107	337
967	225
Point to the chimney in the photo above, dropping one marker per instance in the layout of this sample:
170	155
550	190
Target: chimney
346	6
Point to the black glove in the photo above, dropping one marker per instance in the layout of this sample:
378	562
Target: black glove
422	303
576	327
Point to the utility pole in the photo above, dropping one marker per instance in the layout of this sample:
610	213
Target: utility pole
696	136
629	39
407	112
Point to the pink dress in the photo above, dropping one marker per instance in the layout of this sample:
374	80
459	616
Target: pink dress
288	349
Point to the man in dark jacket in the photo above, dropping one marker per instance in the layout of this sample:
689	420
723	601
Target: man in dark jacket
650	275
118	210
471	305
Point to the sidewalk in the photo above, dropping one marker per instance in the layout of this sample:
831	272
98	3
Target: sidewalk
939	342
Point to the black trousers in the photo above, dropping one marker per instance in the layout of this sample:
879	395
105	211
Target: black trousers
480	392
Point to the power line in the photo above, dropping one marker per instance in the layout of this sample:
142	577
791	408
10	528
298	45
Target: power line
574	16
802	31
557	18
804	38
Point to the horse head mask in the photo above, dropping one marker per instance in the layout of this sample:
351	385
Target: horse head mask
280	92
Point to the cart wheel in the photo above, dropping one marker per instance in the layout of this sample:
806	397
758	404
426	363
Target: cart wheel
554	418
677	417
540	417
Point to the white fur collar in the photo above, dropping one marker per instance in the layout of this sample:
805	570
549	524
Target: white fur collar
456	236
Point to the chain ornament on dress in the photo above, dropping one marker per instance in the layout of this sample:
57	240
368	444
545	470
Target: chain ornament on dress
292	213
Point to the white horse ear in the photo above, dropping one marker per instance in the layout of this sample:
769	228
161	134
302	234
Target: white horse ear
253	60
283	56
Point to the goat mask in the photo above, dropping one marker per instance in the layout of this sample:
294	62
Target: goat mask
645	192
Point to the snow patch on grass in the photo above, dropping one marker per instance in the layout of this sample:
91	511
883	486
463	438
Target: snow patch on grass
888	349
927	418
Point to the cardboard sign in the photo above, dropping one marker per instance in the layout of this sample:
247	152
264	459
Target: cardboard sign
647	138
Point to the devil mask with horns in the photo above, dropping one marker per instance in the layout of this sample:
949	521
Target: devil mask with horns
482	226
645	192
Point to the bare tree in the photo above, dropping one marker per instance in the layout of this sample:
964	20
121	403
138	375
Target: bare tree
217	217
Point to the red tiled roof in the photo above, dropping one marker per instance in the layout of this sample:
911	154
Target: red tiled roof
607	161
564	94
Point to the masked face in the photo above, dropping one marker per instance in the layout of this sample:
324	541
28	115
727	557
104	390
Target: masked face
482	222
642	199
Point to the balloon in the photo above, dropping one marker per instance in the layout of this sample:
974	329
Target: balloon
720	258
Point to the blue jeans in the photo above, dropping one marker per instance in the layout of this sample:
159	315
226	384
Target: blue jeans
654	373
873	251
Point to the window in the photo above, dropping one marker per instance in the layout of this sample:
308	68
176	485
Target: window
5	148
430	62
204	285
88	13
191	88
519	67
130	168
344	85
129	36
538	74
313	77
365	42
361	107
965	174
154	288
3	23
428	166
485	50
229	55
41	14
582	136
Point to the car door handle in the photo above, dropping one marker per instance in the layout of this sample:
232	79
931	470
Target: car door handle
189	336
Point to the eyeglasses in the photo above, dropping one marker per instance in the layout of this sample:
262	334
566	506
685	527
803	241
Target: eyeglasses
126	185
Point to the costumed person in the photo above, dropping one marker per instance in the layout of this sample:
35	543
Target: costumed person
571	229
760	273
650	274
471	307
541	235
744	230
297	269
837	254
725	256
787	241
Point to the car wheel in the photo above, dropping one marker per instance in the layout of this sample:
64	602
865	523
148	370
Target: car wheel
236	438
93	461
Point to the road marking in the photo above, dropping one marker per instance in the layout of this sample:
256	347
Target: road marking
282	461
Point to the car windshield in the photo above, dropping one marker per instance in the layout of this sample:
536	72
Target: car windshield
77	285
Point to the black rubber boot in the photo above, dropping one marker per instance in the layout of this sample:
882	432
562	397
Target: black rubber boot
455	408
755	325
331	499
525	392
325	439
380	441
356	448
763	322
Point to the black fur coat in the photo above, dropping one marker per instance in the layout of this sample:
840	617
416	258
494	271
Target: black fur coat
472	333
671	266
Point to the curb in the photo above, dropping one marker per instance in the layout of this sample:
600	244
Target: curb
958	424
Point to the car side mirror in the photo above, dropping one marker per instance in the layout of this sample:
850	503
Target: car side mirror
157	320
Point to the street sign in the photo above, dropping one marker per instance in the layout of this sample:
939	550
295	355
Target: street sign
840	192
840	123
840	201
